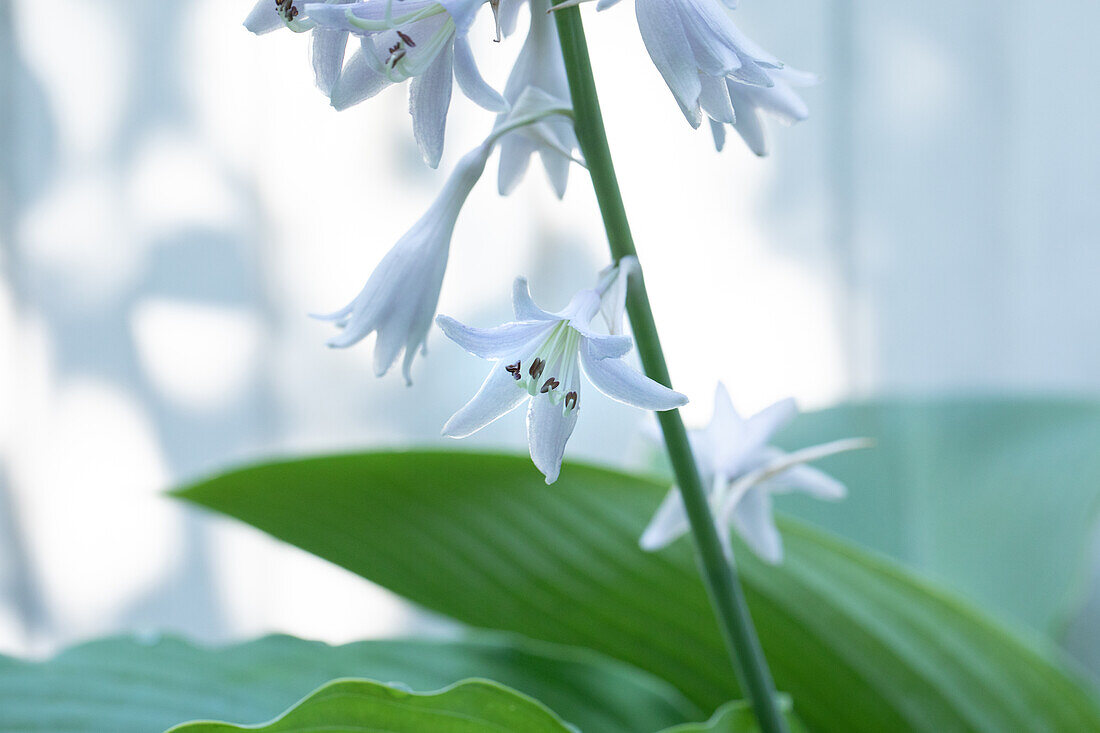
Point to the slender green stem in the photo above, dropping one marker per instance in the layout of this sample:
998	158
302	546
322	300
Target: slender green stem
721	578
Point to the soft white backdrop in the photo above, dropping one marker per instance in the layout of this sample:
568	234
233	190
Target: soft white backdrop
175	197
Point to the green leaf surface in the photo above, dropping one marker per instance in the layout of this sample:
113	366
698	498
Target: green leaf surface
737	717
360	706
858	643
129	686
996	498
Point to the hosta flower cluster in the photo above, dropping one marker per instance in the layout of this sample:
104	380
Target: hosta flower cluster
714	71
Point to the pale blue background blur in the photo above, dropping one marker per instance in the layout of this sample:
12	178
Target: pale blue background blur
175	197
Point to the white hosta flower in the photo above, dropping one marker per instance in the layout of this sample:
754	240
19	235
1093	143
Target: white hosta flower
539	357
714	70
422	40
401	295
696	47
328	45
743	472
539	66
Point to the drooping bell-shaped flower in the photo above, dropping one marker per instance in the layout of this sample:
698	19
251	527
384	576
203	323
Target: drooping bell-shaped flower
715	71
401	295
327	47
743	472
421	40
696	47
539	357
539	66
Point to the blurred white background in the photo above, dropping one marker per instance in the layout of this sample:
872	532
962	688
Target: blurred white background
175	197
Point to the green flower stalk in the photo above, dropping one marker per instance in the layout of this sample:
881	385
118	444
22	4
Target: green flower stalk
720	576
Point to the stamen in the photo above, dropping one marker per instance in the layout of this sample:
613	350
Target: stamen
286	9
571	397
551	383
536	368
494	5
405	37
514	369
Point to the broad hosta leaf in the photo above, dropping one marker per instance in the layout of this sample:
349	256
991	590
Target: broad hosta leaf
996	497
736	717
859	644
359	706
127	686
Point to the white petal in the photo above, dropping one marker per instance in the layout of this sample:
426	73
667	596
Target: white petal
669	522
718	130
470	81
264	18
581	309
357	82
524	307
761	427
810	480
613	302
429	99
753	520
606	347
499	395
605	4
463	12
557	170
749	124
515	155
327	55
393	333
548	430
508	15
494	343
621	383
752	74
665	39
796	78
783	103
360	317
712	35
332	16
726	424
714	98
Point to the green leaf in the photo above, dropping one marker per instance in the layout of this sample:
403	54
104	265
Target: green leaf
126	686
995	497
737	717
859	644
360	706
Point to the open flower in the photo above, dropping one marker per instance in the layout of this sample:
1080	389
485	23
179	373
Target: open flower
539	66
539	357
422	40
327	48
743	472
